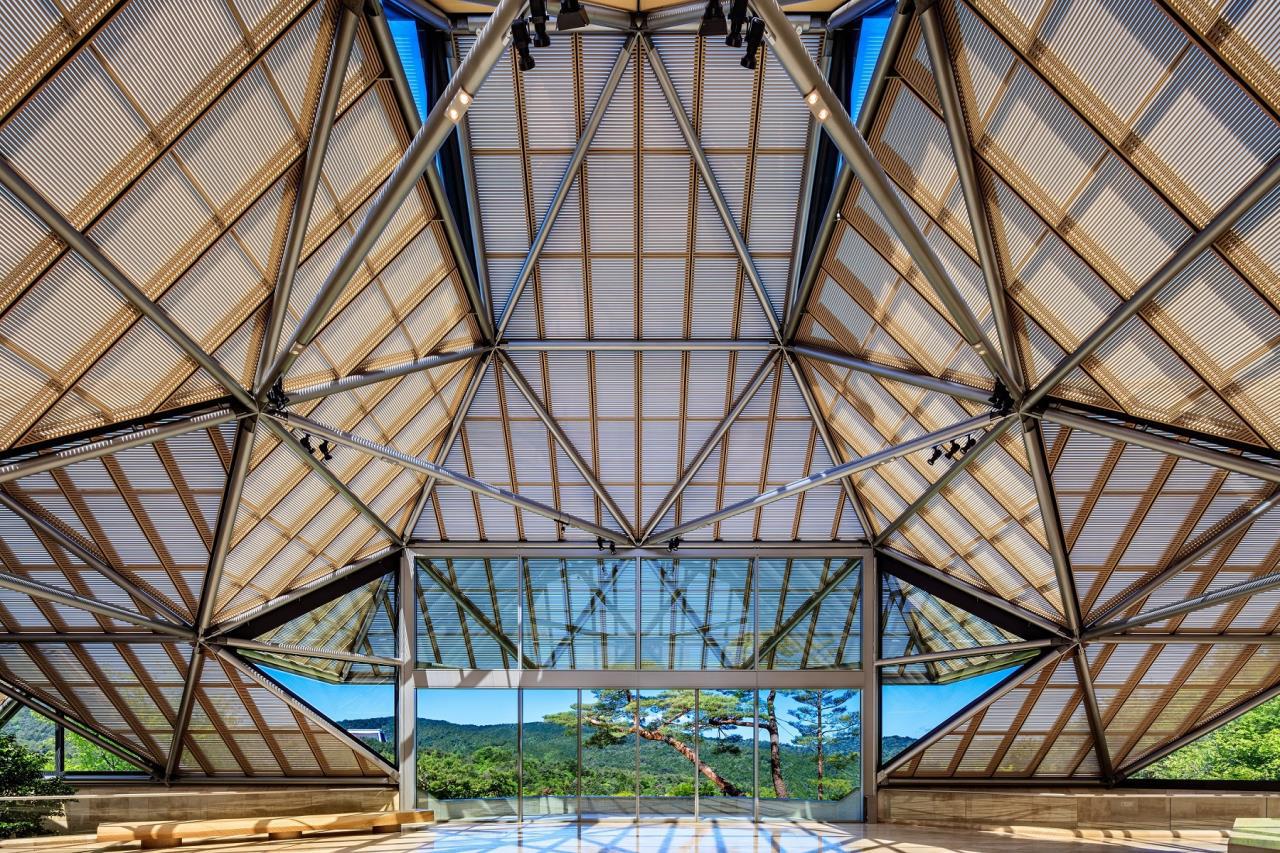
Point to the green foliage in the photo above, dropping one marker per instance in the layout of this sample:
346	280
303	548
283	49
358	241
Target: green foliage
1245	749
22	775
825	724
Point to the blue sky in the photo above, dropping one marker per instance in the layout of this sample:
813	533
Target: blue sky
909	710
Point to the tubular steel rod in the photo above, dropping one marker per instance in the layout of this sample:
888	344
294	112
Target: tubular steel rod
1094	715
1182	449
486	51
1191	639
708	176
944	76
303	651
59	458
241	453
800	66
802	613
371	377
470	608
566	184
105	267
973	651
854	9
929	383
404	460
1231	593
558	434
1190	558
385	46
819	478
708	447
194	665
88	637
73	546
343	490
313	164
647	345
1052	521
35	589
989	438
1183	258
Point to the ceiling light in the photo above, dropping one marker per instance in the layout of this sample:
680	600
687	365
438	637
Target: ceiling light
737	17
953	448
755	35
538	17
306	444
713	23
326	451
969	443
817	106
520	38
571	16
935	455
458	106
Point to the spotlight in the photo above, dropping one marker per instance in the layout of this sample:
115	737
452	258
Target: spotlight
935	455
713	23
538	17
326	451
737	18
306	444
755	35
571	16
520	38
953	448
969	444
673	544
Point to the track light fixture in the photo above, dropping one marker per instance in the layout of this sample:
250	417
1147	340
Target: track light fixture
326	451
520	40
602	544
968	445
737	19
713	23
673	544
755	36
953	447
306	444
936	454
538	17
571	15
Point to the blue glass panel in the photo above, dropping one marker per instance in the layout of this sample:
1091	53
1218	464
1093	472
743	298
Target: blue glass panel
870	40
405	33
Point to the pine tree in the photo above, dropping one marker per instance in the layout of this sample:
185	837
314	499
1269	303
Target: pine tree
821	717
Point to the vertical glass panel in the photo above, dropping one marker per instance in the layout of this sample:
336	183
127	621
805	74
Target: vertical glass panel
462	604
667	752
467	744
871	32
549	761
696	614
809	614
609	753
580	614
35	733
726	760
814	773
365	711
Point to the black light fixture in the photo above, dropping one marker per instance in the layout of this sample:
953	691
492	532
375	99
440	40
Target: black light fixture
520	38
571	15
936	454
306	444
326	451
713	23
737	19
538	17
755	36
969	444
953	447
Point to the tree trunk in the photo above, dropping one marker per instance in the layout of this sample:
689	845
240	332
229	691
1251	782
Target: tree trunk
775	752
726	787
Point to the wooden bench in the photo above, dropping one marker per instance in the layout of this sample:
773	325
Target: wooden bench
158	834
1254	834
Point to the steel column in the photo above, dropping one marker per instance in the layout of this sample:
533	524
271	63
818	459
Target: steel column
73	546
313	164
818	92
972	651
1048	501
854	9
404	460
332	480
105	267
417	159
1189	559
557	433
705	172
869	697
944	77
713	440
989	438
241	453
54	459
470	608
566	183
1231	593
643	345
1094	714
1183	258
385	46
110	611
406	694
1160	444
929	383
838	472
185	706
371	377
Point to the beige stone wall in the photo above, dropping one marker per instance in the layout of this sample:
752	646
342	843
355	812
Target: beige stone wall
1154	810
104	803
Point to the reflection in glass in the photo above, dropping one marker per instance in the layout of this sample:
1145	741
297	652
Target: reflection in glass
365	711
813	763
801	628
549	756
580	614
696	614
609	752
467	746
726	734
667	756
449	636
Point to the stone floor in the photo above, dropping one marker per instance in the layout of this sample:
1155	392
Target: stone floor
679	837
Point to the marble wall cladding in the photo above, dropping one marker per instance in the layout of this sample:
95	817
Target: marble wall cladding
1133	810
